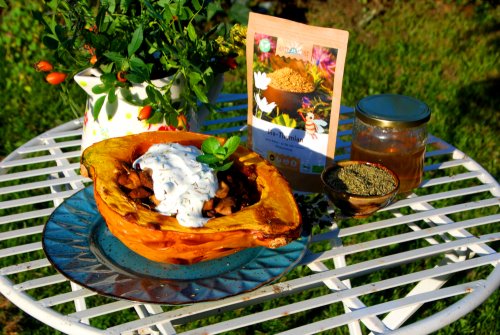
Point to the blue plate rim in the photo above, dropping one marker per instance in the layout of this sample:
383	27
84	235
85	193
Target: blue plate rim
146	288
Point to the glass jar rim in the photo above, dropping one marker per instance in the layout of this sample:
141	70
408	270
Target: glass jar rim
393	111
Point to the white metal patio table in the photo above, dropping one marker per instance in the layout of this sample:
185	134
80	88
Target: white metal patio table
414	267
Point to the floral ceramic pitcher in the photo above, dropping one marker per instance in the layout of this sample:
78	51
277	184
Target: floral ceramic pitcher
119	118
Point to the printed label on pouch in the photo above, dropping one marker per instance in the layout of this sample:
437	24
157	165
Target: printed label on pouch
290	149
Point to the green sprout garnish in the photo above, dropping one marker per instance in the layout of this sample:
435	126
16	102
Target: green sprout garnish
216	155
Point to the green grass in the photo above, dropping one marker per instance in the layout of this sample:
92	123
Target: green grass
445	53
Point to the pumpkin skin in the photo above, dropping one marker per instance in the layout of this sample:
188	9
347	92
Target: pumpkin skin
272	222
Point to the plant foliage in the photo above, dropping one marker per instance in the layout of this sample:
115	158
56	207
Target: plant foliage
135	42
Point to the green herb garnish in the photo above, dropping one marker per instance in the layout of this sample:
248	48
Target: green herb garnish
217	155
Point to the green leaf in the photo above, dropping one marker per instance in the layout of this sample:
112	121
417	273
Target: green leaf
139	68
172	119
223	167
212	9
191	32
111	96
110	26
151	93
232	144
115	57
156	97
50	41
239	13
60	31
210	145
207	159
100	89
195	78
135	78
221	152
196	5
157	117
136	42
152	10
111	4
108	79
200	94
107	68
100	17
98	106
124	5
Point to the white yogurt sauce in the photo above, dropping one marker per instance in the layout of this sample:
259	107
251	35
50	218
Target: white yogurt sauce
180	183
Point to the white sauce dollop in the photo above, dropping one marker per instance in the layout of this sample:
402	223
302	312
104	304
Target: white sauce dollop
180	183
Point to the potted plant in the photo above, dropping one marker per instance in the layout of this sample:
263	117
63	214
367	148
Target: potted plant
161	58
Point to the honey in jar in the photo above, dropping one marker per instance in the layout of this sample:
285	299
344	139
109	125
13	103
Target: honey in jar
391	129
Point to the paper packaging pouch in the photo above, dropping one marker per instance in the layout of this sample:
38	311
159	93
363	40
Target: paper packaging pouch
294	89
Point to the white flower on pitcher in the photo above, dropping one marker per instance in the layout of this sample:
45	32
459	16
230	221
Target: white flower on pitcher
263	105
261	80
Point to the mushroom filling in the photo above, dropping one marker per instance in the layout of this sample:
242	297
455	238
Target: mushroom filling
168	179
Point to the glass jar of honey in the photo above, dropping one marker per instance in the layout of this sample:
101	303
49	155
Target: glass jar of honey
391	129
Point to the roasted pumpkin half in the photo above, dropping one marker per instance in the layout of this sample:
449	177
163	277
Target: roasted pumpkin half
272	221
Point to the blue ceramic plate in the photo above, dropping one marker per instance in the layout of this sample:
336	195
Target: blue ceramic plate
78	243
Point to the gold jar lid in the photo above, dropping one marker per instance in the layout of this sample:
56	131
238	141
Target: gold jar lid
392	111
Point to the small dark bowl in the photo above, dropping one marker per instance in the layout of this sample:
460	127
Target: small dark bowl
355	205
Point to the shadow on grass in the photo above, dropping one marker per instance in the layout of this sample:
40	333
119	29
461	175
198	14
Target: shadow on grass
478	123
481	100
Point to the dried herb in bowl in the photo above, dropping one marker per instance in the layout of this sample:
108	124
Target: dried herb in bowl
361	179
359	188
